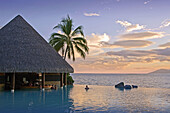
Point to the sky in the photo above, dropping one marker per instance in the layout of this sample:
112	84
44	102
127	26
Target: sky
124	36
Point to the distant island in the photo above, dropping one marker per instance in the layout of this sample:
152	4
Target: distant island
160	71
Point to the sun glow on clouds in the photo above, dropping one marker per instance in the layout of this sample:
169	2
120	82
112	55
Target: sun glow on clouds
141	35
124	60
165	45
95	39
126	57
127	44
103	41
93	42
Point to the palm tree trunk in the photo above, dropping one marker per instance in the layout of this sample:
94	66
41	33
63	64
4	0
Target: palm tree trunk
65	53
62	52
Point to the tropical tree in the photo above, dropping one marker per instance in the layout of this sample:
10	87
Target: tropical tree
69	39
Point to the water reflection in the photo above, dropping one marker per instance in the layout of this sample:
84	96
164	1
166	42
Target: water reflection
77	99
120	89
109	99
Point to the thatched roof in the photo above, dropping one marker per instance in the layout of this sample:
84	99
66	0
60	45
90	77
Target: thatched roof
22	49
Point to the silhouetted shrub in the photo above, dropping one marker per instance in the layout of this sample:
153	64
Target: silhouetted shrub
70	80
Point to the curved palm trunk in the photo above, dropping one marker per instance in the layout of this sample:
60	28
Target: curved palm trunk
62	52
65	53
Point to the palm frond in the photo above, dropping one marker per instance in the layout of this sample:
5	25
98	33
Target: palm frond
83	46
80	39
78	30
79	50
53	40
59	26
69	25
58	45
64	29
68	41
58	35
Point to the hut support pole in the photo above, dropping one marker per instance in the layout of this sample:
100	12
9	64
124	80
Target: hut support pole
65	79
13	83
43	81
61	79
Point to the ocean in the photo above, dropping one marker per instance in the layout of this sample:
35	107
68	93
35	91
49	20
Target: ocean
141	80
152	96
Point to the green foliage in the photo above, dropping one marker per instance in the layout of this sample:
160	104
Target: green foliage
70	80
69	39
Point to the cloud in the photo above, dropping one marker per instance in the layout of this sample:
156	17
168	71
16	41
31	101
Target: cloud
129	26
133	43
165	23
134	27
95	39
97	63
91	14
116	61
140	53
164	52
141	35
139	56
102	41
127	44
126	53
93	51
93	42
165	45
124	23
123	61
147	2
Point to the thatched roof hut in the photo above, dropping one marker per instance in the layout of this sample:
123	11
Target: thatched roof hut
22	49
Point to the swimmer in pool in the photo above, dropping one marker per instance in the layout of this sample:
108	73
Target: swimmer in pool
86	87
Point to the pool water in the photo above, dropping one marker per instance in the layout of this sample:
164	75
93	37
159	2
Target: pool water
75	99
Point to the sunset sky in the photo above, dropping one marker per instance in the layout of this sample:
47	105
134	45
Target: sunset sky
124	36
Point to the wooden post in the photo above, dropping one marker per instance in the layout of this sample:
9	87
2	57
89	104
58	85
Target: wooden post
13	82
43	81
61	79
65	79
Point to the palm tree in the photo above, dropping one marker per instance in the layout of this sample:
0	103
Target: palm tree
69	39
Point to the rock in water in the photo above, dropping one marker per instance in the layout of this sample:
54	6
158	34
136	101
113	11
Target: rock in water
134	86
120	85
127	87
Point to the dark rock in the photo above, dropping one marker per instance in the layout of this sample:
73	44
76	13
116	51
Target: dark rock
134	86
127	87
120	85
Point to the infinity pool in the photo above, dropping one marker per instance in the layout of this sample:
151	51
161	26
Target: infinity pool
76	99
